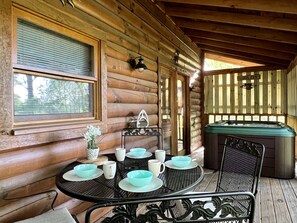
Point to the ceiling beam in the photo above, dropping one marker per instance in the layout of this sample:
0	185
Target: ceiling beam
245	56
242	63
279	23
281	6
252	32
277	46
240	70
247	49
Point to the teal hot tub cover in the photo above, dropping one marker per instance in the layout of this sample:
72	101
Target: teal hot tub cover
258	128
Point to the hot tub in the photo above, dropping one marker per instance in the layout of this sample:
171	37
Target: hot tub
278	138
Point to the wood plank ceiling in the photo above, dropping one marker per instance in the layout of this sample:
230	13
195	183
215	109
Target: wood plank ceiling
262	31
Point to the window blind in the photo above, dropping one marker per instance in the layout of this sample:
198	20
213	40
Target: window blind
43	48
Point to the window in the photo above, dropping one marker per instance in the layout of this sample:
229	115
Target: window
55	72
44	98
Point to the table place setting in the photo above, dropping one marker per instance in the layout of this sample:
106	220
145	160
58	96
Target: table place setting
138	153
83	172
140	181
181	163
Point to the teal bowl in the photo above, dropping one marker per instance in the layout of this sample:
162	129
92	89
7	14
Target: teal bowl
85	170
137	152
181	161
140	178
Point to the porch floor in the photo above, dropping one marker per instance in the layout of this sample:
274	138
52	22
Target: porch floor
276	200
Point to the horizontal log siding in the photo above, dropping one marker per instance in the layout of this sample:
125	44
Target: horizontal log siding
196	98
30	161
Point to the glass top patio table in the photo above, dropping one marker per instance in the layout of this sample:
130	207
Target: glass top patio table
102	190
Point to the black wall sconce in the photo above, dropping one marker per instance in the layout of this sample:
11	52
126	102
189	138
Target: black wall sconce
248	86
140	65
176	57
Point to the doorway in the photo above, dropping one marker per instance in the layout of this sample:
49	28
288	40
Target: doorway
174	111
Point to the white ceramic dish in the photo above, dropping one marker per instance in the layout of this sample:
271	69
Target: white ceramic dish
170	164
71	176
146	155
155	184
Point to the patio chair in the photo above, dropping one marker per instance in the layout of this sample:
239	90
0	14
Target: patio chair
60	215
153	133
227	207
240	169
241	165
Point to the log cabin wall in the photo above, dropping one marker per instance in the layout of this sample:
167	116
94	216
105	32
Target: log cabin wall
292	98
196	111
30	158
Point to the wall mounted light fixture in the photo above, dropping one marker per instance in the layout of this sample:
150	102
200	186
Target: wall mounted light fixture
176	57
140	65
248	86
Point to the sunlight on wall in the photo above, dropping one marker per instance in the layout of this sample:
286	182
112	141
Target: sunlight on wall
210	64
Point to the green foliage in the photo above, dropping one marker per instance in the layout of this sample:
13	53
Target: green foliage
50	96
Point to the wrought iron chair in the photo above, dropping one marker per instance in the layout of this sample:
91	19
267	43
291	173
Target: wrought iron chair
155	133
241	165
60	215
227	207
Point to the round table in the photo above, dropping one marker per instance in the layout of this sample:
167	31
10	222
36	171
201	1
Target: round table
99	190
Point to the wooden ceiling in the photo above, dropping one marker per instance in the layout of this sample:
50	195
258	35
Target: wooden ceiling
259	31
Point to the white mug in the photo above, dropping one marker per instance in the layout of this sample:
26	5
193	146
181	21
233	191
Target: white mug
120	154
156	167
109	169
160	155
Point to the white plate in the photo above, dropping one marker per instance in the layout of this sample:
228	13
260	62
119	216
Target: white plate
155	184
146	155
169	164
71	176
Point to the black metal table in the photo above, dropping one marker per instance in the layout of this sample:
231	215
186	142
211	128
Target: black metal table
100	190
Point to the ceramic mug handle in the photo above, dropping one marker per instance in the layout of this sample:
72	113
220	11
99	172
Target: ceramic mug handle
162	167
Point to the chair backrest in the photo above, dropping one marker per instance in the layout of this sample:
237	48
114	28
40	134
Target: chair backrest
60	215
149	136
241	165
204	207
